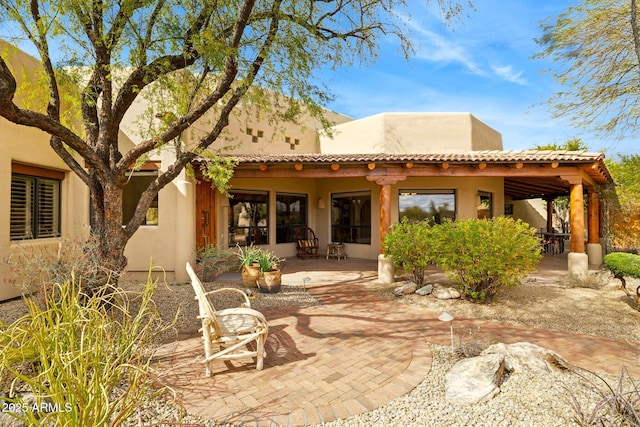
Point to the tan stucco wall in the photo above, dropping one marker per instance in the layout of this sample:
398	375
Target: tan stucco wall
30	146
412	133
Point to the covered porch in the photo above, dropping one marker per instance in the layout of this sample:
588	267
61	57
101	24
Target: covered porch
491	179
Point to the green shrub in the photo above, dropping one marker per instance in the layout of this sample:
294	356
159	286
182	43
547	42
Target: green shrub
88	358
622	264
485	255
409	245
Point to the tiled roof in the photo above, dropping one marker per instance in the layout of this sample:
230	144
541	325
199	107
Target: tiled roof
495	156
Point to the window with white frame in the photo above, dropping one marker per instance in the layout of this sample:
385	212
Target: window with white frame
432	205
35	203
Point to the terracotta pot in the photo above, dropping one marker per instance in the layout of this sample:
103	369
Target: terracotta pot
250	275
270	281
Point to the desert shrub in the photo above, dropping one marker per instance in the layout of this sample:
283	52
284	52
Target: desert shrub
409	245
35	265
470	343
622	264
590	280
88	359
214	261
614	405
485	255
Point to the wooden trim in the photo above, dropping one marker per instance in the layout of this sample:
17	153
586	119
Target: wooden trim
37	171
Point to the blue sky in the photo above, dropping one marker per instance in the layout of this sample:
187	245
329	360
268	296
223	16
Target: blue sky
482	64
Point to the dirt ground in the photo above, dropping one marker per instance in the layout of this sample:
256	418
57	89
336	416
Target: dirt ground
547	302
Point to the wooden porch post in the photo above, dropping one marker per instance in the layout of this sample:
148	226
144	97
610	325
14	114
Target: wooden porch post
593	215
576	206
549	215
385	213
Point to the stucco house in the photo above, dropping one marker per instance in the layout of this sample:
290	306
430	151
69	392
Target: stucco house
348	186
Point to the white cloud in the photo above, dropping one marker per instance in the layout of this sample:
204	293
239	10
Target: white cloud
509	75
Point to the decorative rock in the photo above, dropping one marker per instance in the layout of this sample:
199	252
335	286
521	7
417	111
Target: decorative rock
474	380
425	290
524	356
405	289
446	293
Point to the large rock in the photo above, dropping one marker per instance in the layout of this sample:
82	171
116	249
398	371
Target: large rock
446	293
405	289
425	290
474	380
524	356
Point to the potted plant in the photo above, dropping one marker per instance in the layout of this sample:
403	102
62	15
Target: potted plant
269	277
249	265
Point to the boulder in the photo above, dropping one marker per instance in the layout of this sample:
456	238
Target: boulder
446	293
474	380
524	356
405	289
425	290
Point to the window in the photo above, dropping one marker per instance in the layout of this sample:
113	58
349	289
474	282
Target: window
138	182
35	203
432	205
351	217
485	205
291	212
248	218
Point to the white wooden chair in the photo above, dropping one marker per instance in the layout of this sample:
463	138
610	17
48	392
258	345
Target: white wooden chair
228	332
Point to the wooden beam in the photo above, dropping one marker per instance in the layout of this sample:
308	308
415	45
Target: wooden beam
263	167
555	165
408	165
335	166
444	166
482	166
371	166
518	165
576	218
298	166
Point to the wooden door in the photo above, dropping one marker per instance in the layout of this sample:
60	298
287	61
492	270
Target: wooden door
205	213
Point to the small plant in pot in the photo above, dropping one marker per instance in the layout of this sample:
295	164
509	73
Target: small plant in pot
249	264
270	277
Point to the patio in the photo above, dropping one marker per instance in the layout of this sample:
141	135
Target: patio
351	354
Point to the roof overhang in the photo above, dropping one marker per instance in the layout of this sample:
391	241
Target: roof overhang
527	174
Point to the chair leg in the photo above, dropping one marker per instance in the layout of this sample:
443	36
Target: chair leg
260	352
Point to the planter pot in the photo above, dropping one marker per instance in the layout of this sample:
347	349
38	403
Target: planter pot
270	281
250	275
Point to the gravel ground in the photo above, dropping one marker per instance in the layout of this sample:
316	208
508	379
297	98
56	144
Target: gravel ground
525	399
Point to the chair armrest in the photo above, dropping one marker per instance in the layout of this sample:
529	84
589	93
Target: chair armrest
247	302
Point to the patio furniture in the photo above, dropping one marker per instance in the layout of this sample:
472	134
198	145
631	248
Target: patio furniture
306	242
336	250
229	333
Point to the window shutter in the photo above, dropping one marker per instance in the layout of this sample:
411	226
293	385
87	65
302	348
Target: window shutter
21	207
48	208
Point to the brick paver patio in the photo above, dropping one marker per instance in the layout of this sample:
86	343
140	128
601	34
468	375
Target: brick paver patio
352	354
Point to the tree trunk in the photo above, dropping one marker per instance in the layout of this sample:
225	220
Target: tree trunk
107	232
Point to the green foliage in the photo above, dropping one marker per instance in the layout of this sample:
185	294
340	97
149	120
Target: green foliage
484	256
574	144
89	357
595	61
622	264
213	261
267	260
409	245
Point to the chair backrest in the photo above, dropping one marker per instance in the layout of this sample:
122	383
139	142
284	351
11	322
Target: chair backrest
304	233
206	308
